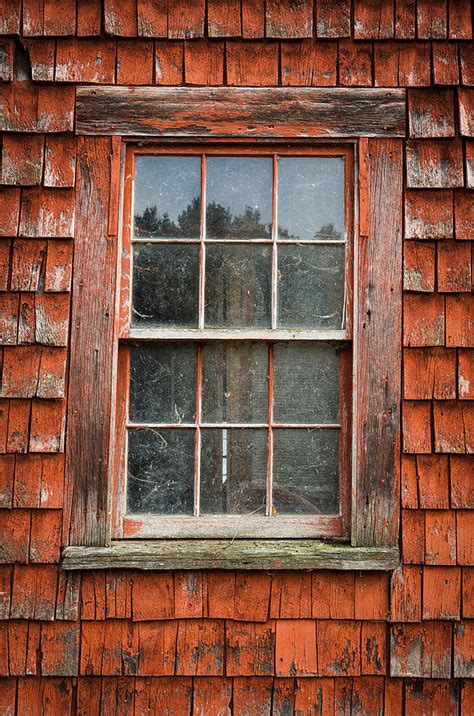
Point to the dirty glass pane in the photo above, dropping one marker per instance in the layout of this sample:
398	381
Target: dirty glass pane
161	471
233	471
167	197
239	198
234	383
306	383
311	286
162	383
238	286
311	198
165	285
305	471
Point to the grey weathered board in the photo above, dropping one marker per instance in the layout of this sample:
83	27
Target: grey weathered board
204	112
377	349
230	554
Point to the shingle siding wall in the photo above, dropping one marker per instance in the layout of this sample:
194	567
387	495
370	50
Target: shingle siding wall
244	643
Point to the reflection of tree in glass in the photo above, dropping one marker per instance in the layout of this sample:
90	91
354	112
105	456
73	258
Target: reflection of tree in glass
220	222
328	233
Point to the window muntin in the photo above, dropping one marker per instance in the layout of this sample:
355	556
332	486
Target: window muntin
204	457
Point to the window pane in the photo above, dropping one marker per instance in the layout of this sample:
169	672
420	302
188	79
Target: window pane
233	471
234	383
311	198
306	383
305	471
238	286
167	197
165	285
163	383
161	471
239	197
311	286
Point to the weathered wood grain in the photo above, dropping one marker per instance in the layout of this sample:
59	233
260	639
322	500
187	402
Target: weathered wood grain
90	389
240	112
377	351
234	554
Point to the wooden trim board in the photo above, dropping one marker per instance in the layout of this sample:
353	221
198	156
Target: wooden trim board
234	554
234	112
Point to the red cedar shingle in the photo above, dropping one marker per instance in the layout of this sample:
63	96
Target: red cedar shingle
463	650
409	482
160	587
432	19
416	427
52	318
45	537
20	371
467	592
440	537
419	266
441	593
90	61
10	12
405	19
250	647
41	54
429	373
157	641
5	252
203	62
152	18
373	19
59	21
309	63
120	18
295	648
333	19
373	642
429	214
27	318
460	321
433	481
216	691
445	63
454	266
338	644
289	20
465	537
47	213
466	53
14	535
466	374
186	18
60	161
462	481
291	596
135	62
47	426
39	480
169	62
7	474
355	64
18	426
434	164
89	17
413	536
33	14
333	595
188	594
435	695
371	596
469	163
464	214
253	18
200	648
34	592
421	650
252	596
60	649
431	113
9	211
56	108
252	64
424	323
460	19
27	264
406	594
7	49
224	18
453	427
58	272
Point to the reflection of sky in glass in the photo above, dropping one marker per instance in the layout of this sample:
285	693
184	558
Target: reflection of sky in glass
310	195
169	182
239	182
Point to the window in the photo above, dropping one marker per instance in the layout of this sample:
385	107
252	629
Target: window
235	356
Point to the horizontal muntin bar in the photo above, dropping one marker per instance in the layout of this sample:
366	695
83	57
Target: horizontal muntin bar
291	242
227	334
225	426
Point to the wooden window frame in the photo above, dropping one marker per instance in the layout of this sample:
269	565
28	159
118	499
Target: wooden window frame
141	526
104	126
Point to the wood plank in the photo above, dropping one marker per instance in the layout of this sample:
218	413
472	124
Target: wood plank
234	554
240	112
377	352
90	387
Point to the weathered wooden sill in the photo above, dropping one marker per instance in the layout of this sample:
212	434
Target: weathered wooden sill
230	554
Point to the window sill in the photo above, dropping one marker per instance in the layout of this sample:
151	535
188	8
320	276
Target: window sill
228	554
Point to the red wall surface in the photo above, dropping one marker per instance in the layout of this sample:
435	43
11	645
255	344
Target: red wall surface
131	642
